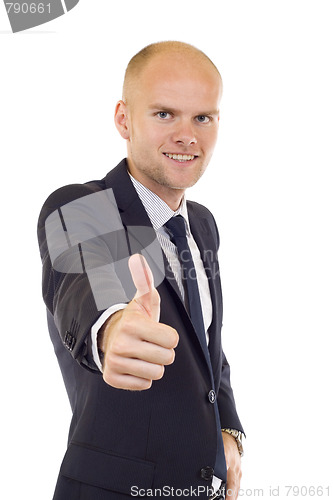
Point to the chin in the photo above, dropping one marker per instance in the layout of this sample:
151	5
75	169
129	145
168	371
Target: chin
180	185
187	182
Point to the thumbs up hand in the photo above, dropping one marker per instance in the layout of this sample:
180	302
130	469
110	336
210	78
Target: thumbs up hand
136	346
146	297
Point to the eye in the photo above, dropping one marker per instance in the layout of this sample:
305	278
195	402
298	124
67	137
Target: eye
203	119
163	115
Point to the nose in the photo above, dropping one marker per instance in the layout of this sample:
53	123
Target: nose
184	134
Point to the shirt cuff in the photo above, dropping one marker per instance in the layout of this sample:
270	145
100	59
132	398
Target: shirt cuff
95	328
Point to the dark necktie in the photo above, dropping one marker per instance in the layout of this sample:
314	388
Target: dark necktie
177	229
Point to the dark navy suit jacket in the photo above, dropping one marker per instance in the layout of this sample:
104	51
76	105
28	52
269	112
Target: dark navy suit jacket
121	441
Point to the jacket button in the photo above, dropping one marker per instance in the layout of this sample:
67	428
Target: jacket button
212	396
207	473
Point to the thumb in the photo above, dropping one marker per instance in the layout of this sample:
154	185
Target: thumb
147	297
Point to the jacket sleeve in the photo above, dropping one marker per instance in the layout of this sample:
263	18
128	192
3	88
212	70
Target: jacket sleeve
225	397
83	249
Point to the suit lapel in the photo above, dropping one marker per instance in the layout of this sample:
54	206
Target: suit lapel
206	244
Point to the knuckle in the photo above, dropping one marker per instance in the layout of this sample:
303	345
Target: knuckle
159	372
175	337
114	364
108	361
110	379
128	322
147	385
118	347
133	384
141	384
170	336
170	357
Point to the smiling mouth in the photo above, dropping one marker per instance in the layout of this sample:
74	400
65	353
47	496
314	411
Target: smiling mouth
180	158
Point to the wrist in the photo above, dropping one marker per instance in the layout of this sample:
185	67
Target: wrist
238	436
105	331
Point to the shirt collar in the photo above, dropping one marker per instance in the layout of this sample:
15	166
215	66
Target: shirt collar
158	211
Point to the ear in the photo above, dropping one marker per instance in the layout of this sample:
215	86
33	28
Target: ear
121	119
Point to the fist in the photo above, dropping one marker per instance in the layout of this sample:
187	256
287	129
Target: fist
136	346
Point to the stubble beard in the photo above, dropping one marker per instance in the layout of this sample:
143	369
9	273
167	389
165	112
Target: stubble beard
158	175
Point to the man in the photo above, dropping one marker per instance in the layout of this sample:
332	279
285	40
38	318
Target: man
145	373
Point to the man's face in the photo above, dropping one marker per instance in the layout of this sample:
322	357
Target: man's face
172	122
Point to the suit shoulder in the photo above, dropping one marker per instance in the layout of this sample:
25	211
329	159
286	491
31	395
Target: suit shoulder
199	210
71	192
196	210
66	194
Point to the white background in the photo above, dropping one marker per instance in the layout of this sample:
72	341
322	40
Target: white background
269	186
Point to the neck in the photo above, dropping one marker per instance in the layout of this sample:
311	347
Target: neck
171	196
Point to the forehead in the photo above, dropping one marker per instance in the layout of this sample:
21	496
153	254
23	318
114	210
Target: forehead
179	79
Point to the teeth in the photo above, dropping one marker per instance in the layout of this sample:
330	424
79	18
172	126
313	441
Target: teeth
180	157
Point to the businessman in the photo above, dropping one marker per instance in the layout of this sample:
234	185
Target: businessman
134	305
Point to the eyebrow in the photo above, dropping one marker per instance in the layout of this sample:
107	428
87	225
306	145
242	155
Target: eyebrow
172	110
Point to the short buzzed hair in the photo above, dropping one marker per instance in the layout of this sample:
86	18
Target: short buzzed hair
140	60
